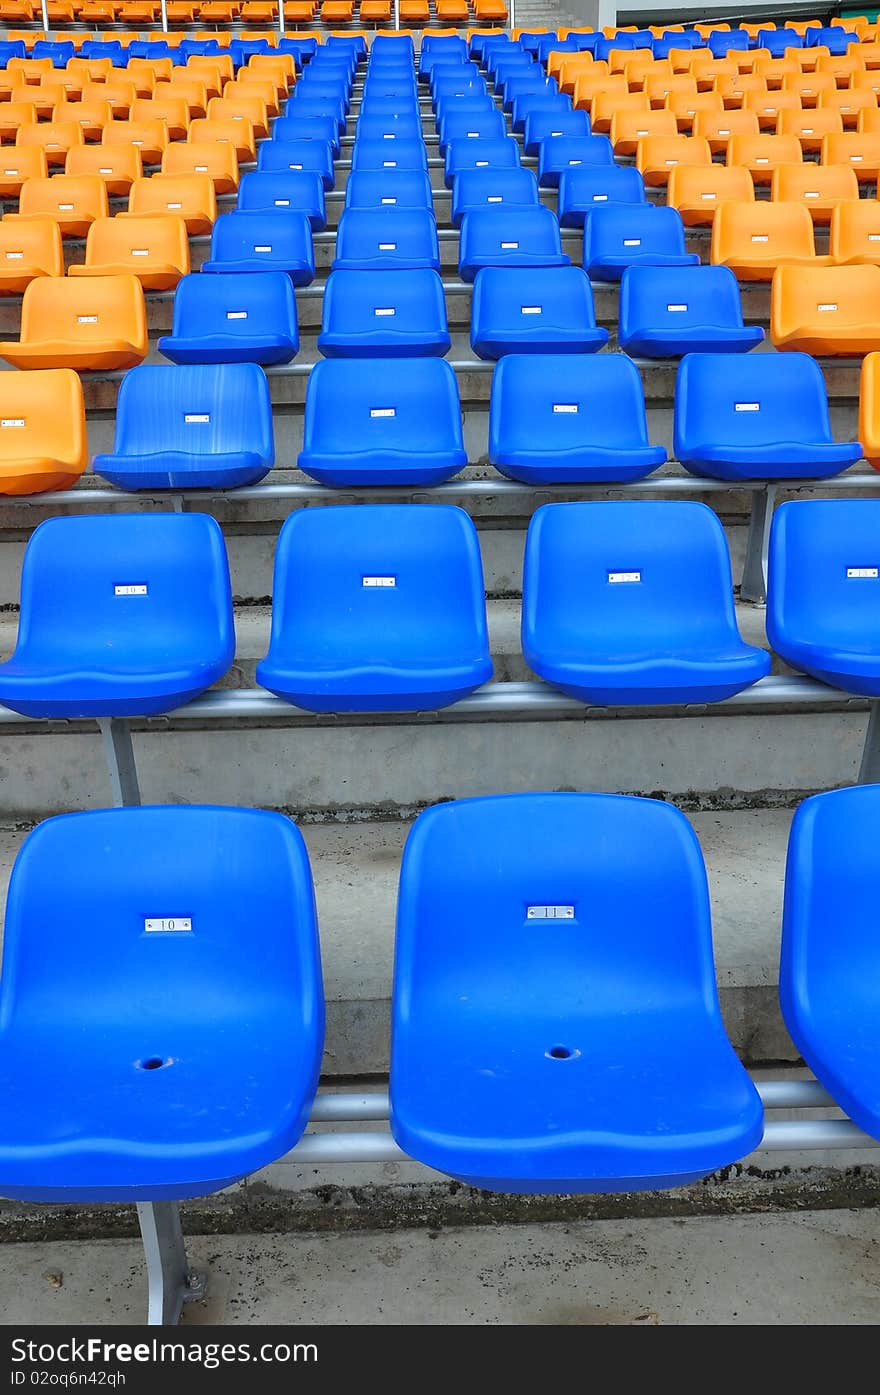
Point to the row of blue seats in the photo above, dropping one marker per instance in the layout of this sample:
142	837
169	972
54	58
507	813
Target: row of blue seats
553	418
381	608
60	51
555	1020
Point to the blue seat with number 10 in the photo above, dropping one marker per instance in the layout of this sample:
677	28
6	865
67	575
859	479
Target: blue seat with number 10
555	1025
244	317
147	1053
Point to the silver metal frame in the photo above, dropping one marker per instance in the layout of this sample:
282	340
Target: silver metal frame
119	755
170	1281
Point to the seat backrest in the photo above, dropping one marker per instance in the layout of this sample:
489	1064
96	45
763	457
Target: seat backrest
174	193
30	243
138	242
678	298
855	229
570	398
64	195
407	154
215	158
533	296
368	232
708	186
498	153
84	310
42	414
165	898
493	189
822	297
749	399
762	230
353	405
252	302
302	191
115	583
397	301
247	234
589	186
632	230
389	189
823	574
194	410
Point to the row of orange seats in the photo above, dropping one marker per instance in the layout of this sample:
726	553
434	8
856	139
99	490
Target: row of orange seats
118	165
247	11
781	112
658	148
154	248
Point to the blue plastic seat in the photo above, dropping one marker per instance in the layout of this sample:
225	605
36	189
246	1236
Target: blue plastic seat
329	97
128	975
389	105
500	153
60	51
374	314
359	622
776	41
405	126
823	586
121	615
317	125
375	155
105	48
665	311
397	189
480	42
555	1024
476	190
512	237
309	155
11	48
539	99
725	41
301	191
456	125
396	423
570	418
240	50
563	153
630	602
617	236
371	239
191	426
300	50
535	310
756	416
591	186
457	84
528	84
243	317
829	971
832	36
541	126
280	241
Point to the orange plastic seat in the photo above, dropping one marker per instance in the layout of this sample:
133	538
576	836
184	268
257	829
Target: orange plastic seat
708	29
153	248
74	201
138	12
861	149
682	58
717	127
685	106
489	9
42	100
774	71
98	13
808	86
258	12
43	441
820	187
280	67
28	249
768	105
299	12
30	70
236	131
19	164
97	322
54	137
91	115
250	110
214	70
25	36
826	310
150	137
252	85
180	11
91	69
217	159
220	36
637	66
342	11
762	153
153	67
629	127
117	165
732	90
854	239
191	196
11	84
706	71
810	126
869	52
657	86
619	57
657	156
63	86
754	238
14	115
569	70
841	66
605	104
218	12
697	191
850	102
589	84
869	408
118	93
173	110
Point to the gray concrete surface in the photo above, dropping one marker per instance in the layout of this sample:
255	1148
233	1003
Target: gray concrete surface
808	1269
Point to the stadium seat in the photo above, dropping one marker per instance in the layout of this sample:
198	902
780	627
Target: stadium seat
668	311
150	137
424	647
376	155
687	107
849	102
214	158
570	419
193	90
821	591
830	310
310	123
500	153
29	248
19	164
479	190
302	192
697	191
656	156
191	196
754	238
588	187
869	408
109	1104
762	153
154	248
768	106
43	443
148	599
367	239
280	241
392	189
99	322
855	233
572	152
398	424
117	165
535	100
629	127
821	188
518	237
828	969
717	127
541	126
242	317
533	310
237	130
859	149
307	155
620	235
173	110
54	138
368	314
756	416
455	125
656	575
191	426
567	1022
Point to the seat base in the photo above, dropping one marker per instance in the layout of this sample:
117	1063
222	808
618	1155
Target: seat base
560	341
349	692
612	268
416	345
629	691
301	274
587	466
468	270
92	358
843	679
157	278
707	340
177	471
579	1186
378	467
229	348
417	263
37	476
850	343
157	695
761	463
